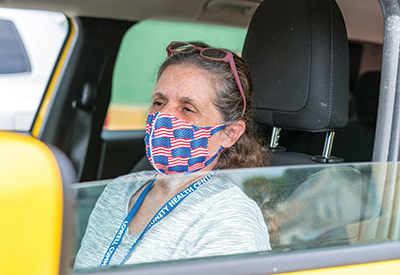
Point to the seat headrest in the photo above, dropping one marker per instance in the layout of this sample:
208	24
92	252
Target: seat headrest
297	51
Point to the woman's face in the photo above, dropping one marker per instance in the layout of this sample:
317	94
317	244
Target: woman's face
186	92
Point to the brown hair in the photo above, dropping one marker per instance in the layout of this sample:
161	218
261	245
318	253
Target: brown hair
248	150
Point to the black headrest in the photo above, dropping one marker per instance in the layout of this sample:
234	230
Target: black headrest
297	51
366	94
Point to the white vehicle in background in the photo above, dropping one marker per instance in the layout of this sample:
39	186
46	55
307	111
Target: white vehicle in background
28	52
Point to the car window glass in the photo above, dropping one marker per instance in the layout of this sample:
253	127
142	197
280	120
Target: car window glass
305	208
30	43
141	53
13	56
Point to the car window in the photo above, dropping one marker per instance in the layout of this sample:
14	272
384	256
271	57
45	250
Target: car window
13	56
141	53
30	42
305	208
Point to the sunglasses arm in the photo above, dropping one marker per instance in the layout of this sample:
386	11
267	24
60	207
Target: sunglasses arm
238	83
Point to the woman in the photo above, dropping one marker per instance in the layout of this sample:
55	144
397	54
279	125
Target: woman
199	120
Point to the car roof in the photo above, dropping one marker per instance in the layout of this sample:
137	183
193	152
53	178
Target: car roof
363	17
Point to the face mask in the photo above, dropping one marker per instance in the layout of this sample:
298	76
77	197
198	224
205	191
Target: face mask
175	146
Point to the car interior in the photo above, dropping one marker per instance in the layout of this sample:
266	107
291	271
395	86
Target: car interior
316	72
84	89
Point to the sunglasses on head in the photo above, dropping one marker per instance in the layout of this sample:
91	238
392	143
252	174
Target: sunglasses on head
215	54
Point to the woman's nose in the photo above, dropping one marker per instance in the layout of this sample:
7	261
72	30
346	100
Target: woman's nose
170	109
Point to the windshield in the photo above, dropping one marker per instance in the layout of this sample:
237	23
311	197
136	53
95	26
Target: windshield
304	208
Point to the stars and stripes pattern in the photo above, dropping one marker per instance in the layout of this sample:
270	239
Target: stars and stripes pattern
176	146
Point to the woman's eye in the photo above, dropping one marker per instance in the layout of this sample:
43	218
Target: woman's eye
157	104
188	110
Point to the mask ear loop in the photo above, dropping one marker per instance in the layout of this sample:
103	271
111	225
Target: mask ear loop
222	148
151	142
217	129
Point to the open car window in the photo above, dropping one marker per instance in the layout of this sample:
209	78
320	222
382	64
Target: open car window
307	209
30	43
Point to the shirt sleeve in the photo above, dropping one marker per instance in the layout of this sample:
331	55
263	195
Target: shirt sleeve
232	226
106	217
95	240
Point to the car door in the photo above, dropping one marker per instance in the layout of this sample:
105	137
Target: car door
322	219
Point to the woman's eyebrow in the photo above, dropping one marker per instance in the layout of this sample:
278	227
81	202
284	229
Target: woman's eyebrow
187	99
158	95
191	101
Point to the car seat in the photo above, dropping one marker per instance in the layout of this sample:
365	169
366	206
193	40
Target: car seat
311	143
297	51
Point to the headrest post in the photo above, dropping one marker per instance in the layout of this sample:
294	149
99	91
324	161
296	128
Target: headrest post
328	144
275	137
326	154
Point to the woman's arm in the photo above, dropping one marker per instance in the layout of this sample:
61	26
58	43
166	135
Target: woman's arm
233	225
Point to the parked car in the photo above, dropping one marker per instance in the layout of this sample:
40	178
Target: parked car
324	88
30	42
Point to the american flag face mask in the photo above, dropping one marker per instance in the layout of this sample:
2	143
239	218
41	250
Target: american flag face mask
175	146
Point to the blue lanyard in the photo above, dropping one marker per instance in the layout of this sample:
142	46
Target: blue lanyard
164	211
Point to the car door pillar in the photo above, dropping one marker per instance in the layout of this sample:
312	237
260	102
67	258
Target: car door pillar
387	143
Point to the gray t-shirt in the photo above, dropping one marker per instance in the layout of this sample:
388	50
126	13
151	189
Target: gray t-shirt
216	219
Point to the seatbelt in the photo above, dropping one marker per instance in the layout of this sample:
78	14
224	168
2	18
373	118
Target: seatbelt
81	132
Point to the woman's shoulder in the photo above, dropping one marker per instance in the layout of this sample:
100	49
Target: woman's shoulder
131	180
136	176
222	186
229	214
117	193
125	186
220	190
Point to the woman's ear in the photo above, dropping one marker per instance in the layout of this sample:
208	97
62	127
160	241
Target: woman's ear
233	132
